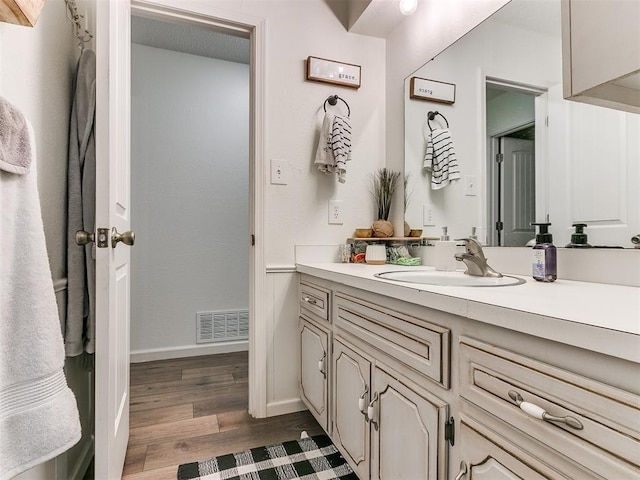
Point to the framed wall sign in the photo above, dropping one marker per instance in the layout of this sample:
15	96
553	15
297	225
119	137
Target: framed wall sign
432	90
329	71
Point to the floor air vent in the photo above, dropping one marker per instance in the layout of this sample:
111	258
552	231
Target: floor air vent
222	326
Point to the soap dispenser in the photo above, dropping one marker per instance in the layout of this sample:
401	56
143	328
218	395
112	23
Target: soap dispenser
579	238
445	252
544	255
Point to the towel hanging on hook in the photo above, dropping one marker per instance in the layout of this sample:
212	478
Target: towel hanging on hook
432	116
333	100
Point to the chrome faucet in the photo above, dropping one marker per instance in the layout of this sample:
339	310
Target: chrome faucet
474	259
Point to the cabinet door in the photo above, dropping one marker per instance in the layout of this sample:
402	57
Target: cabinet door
351	381
314	360
407	430
481	459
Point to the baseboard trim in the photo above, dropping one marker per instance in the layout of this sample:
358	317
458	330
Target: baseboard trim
151	355
285	406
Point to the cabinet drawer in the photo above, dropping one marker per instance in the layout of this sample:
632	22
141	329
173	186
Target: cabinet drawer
314	300
603	433
415	343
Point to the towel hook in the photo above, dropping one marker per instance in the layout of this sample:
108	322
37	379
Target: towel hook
333	100
432	116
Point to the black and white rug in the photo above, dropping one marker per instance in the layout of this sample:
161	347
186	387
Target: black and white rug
311	458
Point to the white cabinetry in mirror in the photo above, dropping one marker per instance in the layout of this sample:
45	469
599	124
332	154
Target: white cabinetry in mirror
601	53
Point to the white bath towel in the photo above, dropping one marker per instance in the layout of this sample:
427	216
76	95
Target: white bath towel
334	146
38	412
440	158
79	333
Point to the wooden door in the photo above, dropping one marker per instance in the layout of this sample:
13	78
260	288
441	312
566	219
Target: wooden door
351	387
407	430
314	358
112	211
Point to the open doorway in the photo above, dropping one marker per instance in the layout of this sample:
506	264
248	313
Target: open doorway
511	163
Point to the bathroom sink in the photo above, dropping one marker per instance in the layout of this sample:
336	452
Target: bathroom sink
450	279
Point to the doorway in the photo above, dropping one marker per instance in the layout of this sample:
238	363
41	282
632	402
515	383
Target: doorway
190	190
511	126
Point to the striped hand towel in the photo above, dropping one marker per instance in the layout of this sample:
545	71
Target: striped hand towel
341	145
440	159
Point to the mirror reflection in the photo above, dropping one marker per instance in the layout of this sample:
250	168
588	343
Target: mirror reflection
524	153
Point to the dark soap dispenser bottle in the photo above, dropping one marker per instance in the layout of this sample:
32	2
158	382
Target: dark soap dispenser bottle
579	238
544	255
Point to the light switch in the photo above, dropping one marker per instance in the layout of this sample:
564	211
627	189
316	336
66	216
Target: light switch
470	185
279	170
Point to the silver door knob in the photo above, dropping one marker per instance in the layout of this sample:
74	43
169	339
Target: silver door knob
128	238
82	237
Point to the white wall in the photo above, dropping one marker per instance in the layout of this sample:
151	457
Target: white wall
37	67
190	193
466	64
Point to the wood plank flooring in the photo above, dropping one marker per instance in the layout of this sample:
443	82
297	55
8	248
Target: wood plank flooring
191	409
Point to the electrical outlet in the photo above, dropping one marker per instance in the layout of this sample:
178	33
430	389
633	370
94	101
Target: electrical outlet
279	170
427	215
335	212
470	186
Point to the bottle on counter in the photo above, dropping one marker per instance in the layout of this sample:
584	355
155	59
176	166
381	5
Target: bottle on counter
544	268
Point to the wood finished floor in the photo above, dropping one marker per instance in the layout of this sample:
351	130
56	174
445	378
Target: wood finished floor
191	409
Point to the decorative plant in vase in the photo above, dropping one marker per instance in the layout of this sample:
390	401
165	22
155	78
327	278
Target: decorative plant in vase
385	183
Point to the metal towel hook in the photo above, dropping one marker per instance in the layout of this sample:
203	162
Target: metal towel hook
333	100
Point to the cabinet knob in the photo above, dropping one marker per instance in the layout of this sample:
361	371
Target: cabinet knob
310	300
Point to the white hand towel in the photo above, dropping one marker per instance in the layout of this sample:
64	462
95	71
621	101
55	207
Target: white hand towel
38	412
440	158
325	161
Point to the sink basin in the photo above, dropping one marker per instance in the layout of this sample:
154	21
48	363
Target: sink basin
449	279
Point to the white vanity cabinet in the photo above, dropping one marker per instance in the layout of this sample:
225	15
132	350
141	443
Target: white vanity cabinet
315	354
416	392
601	53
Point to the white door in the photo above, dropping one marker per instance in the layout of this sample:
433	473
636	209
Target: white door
519	191
112	211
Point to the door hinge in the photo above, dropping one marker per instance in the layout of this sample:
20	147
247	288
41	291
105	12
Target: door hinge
499	157
499	226
253	240
450	431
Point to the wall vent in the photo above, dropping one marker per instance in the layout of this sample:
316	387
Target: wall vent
222	326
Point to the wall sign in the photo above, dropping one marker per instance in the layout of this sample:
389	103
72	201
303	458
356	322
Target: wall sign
329	71
431	90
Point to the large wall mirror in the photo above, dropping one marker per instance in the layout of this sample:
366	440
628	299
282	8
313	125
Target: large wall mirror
525	154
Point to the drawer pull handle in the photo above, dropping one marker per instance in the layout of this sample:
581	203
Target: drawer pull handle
310	300
463	471
362	401
371	411
540	413
321	365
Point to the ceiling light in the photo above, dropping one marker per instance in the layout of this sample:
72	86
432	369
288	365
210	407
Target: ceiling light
407	7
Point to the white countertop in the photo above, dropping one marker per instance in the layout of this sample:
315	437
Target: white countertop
599	317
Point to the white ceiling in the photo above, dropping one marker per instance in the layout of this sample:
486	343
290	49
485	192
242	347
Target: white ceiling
189	38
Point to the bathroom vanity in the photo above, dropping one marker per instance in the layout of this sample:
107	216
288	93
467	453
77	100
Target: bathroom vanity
439	382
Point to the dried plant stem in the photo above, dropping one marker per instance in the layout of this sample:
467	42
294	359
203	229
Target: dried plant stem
385	182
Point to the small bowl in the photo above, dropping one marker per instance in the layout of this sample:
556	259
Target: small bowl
415	233
364	232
